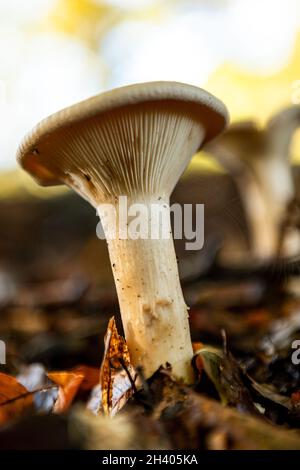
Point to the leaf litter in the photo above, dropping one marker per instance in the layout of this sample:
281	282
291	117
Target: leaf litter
245	381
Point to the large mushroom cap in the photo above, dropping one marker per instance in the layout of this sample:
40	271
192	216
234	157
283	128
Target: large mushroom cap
51	148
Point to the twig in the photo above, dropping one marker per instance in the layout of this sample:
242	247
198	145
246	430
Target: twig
27	394
132	381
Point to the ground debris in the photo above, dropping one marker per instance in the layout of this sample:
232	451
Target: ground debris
192	420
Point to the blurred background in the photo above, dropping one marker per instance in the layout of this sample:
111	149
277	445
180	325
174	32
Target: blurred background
54	53
56	286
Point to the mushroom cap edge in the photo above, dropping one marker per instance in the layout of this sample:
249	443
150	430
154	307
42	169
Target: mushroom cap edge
28	154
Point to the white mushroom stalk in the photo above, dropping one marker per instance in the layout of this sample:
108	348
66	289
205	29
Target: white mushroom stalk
133	143
258	159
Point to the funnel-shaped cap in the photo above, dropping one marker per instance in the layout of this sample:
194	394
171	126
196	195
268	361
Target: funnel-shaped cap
135	139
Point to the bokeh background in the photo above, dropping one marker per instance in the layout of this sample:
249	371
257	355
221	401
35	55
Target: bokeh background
54	53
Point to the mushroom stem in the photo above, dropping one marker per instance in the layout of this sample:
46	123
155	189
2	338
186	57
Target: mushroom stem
266	202
153	310
258	160
263	230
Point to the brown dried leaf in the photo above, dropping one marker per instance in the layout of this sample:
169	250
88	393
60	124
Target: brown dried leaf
91	376
115	371
15	399
69	384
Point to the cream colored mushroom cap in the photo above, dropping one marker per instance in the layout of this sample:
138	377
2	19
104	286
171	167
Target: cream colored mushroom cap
34	153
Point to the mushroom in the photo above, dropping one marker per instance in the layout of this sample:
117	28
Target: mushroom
258	160
133	142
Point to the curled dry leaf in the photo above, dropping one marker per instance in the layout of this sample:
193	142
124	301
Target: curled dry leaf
117	376
15	400
122	390
227	376
69	384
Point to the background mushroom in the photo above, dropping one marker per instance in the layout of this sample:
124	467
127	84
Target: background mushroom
258	160
134	141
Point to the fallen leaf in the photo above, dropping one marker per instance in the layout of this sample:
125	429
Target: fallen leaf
197	346
35	380
117	376
197	361
69	384
91	376
226	375
269	391
32	376
15	399
122	390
